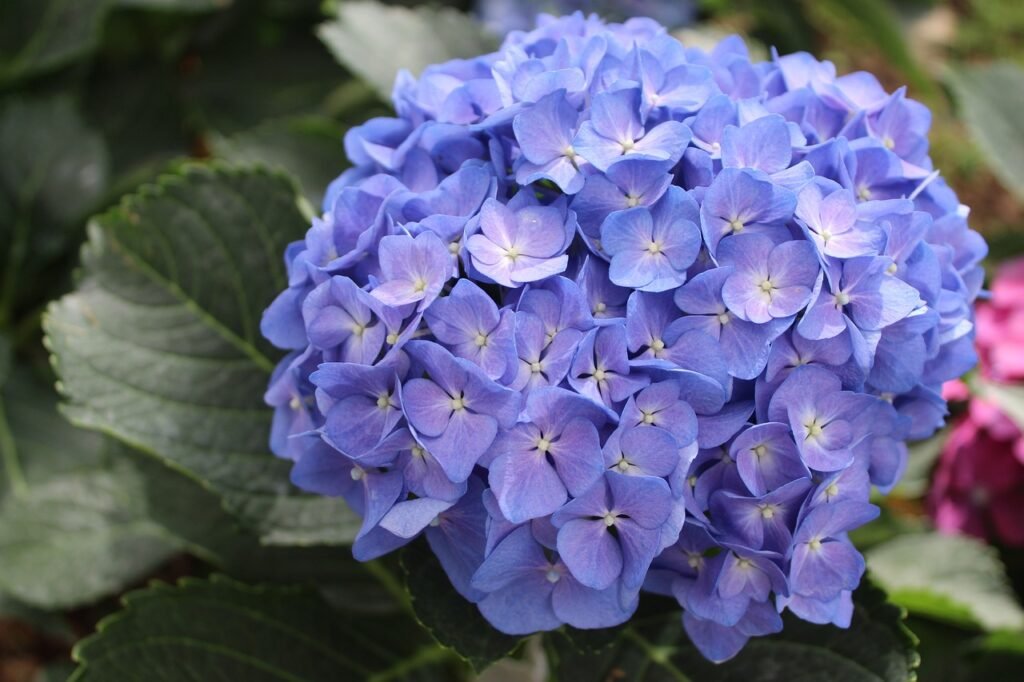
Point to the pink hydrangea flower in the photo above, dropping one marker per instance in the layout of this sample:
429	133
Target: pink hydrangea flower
978	486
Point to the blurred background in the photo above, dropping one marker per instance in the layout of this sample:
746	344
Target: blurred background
99	96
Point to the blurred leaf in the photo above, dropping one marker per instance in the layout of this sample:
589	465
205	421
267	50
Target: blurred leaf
991	99
921	459
308	148
73	527
223	630
295	76
138	110
453	621
52	171
176	5
53	625
954	579
1000	656
375	41
196	516
160	344
41	35
876	22
877	647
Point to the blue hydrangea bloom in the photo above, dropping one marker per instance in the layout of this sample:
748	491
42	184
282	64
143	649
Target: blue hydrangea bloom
601	314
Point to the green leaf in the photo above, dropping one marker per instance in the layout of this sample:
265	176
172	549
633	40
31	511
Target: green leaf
53	169
990	98
877	23
176	5
41	35
73	527
296	75
951	578
877	647
375	41
308	148
196	516
160	347
223	630
453	621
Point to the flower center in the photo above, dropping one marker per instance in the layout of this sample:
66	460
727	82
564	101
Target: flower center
648	418
760	451
383	401
814	544
831	491
543	444
458	403
632	200
842	298
623	465
864	193
892	268
420	285
627	146
599	374
767	511
535	367
657	345
600	307
814	429
392	338
609	519
480	340
357	474
736	225
654	248
723	318
552	575
766	286
418	451
454	247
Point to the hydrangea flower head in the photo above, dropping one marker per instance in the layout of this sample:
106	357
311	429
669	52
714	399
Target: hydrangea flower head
601	314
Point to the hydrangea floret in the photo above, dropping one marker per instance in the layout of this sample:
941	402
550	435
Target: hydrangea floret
599	313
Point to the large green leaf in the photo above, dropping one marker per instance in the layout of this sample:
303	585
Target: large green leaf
375	41
73	522
53	169
41	35
991	98
877	647
223	630
453	621
309	148
952	578
159	346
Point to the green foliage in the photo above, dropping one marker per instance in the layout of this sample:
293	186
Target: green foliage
954	579
357	40
220	629
453	621
53	170
877	647
159	346
990	98
309	147
37	36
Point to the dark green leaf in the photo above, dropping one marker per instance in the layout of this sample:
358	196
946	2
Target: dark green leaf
42	35
876	648
52	171
160	345
296	76
415	39
308	148
176	5
951	578
453	621
991	98
73	527
223	630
